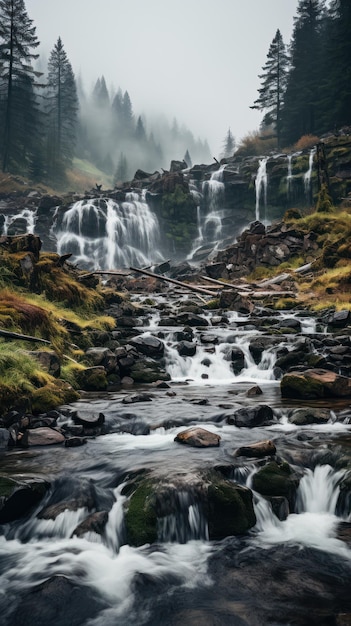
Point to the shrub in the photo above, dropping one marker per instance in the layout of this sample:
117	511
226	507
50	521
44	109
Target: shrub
306	142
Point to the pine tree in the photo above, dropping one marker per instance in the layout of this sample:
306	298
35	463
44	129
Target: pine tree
187	159
100	93
62	110
19	111
337	84
127	115
121	174
301	112
273	84
140	134
228	145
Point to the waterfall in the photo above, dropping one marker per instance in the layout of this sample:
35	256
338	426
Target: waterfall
289	176
261	185
187	523
210	212
27	215
105	234
308	175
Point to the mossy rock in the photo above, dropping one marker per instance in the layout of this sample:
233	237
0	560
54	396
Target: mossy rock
276	479
140	516
229	508
52	395
92	379
295	385
147	370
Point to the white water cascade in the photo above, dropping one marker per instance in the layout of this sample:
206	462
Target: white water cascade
105	234
210	212
28	215
261	184
314	522
308	175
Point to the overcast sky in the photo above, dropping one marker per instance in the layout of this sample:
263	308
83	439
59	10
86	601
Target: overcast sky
196	60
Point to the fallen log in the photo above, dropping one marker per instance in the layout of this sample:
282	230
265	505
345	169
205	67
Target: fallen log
225	285
207	292
9	335
108	272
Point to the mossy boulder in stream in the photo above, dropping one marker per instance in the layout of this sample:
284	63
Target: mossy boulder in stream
276	479
158	505
315	383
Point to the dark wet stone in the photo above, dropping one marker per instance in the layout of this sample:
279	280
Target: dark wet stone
198	438
18	497
96	523
251	416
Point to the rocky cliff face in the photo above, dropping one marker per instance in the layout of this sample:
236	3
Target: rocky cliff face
206	206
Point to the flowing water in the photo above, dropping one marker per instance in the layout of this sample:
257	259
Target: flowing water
308	175
261	184
281	572
105	234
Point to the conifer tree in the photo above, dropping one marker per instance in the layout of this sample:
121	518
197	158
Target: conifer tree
18	104
301	113
228	145
62	111
273	84
187	159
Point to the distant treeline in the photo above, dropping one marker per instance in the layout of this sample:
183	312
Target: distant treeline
46	119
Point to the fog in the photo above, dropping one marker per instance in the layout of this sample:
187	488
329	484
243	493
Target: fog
196	60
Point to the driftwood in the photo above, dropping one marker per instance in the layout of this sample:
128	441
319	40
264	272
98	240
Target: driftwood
9	335
102	272
207	292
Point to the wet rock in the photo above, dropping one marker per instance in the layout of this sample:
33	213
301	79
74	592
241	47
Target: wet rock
92	379
251	417
198	438
191	319
254	391
301	417
230	299
69	495
280	507
102	356
150	346
4	438
89	421
140	397
229	508
95	523
18	497
186	348
276	479
56	601
42	436
147	370
257	450
315	383
75	442
136	426
237	358
215	270
340	319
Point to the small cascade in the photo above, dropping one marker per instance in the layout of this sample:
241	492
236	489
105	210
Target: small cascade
210	212
315	521
26	215
307	179
289	178
187	523
261	183
105	234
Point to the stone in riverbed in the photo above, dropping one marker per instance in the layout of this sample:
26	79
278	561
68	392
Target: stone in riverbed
251	417
315	383
276	479
301	417
95	523
257	450
18	497
150	346
198	438
41	437
92	379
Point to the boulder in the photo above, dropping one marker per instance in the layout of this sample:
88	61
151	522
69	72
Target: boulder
18	497
198	438
276	479
92	379
149	345
308	415
230	299
315	383
229	508
147	370
89	421
42	436
186	348
49	360
257	450
250	417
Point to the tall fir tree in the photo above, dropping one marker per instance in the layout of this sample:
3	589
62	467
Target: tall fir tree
228	145
301	112
19	111
273	85
62	112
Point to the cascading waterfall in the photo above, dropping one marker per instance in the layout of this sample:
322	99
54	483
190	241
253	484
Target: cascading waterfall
308	175
105	234
261	184
28	215
210	211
